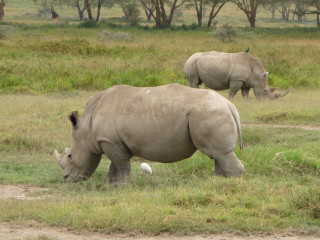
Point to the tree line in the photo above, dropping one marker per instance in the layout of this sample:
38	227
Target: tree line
163	12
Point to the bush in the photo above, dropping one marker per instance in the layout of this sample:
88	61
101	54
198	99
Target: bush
88	24
225	33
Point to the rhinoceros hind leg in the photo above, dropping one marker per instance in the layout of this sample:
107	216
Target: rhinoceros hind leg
216	137
218	171
113	172
228	165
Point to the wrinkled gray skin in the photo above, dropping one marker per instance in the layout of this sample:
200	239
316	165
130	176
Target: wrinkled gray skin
163	124
234	71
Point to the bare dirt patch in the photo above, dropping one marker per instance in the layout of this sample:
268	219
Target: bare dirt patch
9	231
20	192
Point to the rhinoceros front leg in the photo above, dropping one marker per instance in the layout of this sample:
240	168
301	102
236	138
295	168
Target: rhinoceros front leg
245	92
119	172
235	86
120	167
113	172
194	84
193	80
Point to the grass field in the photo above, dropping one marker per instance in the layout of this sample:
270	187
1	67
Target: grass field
47	71
63	57
278	192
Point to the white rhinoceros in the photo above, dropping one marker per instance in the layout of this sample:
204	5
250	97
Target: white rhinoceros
163	124
234	71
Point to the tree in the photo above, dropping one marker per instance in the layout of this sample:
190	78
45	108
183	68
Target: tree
148	9
216	6
90	4
78	4
199	7
2	4
202	5
164	10
284	9
131	10
300	10
271	6
316	5
249	7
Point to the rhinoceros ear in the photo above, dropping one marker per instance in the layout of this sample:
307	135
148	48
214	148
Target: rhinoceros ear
265	74
73	117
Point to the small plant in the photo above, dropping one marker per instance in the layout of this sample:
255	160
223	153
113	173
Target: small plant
88	24
226	33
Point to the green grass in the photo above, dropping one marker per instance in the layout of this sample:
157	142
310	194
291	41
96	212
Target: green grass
61	58
176	202
47	71
278	192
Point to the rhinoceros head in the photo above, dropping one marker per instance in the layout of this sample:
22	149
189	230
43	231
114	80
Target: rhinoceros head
263	91
78	162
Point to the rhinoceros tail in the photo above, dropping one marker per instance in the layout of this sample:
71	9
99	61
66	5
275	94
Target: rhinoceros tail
236	118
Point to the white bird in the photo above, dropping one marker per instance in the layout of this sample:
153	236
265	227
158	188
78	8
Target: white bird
145	167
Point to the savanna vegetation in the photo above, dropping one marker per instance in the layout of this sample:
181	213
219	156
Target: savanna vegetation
48	70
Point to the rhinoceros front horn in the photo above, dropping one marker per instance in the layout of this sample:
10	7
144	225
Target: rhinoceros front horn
279	95
58	157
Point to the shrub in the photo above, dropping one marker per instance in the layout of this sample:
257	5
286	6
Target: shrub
88	24
226	33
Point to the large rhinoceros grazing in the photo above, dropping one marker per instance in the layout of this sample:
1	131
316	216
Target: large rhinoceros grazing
234	71
163	124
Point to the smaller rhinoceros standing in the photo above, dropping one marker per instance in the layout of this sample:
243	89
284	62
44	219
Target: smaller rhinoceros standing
163	124
234	71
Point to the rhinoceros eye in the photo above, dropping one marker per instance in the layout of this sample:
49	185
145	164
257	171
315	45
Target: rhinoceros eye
69	155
